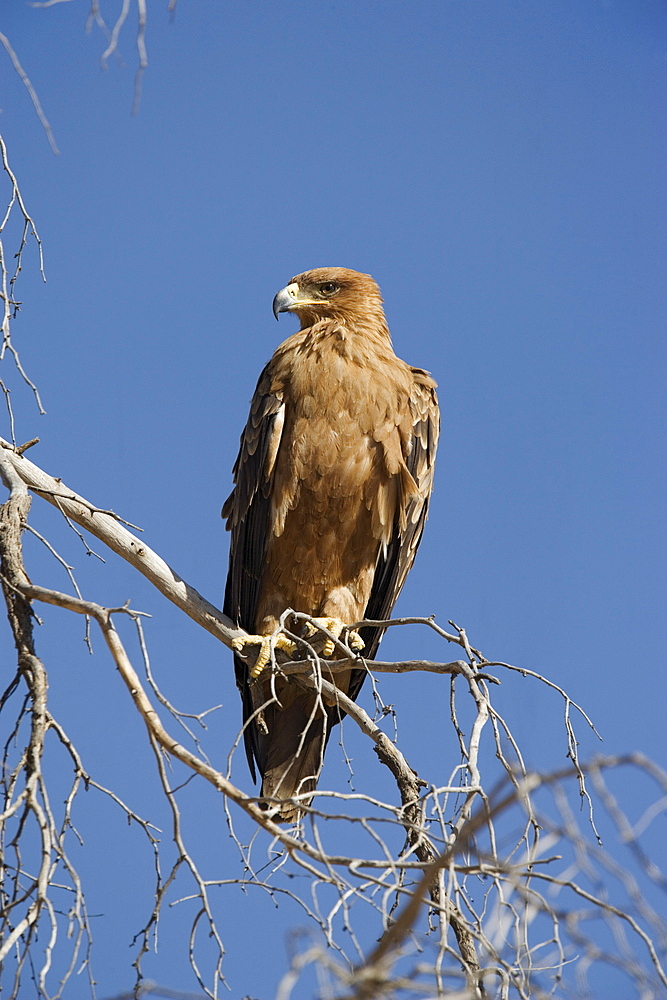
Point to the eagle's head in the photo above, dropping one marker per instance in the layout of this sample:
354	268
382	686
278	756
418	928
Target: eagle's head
331	293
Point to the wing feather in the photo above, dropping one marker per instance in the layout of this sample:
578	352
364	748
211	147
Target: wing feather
397	557
248	512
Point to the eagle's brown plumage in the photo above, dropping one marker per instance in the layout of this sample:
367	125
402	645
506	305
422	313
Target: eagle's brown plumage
333	480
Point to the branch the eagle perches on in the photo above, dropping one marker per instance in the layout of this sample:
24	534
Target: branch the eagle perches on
439	858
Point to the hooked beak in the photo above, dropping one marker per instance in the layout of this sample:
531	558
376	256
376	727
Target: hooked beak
286	299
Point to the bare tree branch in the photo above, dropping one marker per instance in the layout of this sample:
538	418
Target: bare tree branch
105	526
10	305
37	104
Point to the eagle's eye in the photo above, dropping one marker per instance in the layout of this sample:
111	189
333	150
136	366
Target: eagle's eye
329	287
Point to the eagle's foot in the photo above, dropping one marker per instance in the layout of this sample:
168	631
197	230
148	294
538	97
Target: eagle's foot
338	629
266	643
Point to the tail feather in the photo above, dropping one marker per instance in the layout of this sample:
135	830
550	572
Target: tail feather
289	739
291	752
295	777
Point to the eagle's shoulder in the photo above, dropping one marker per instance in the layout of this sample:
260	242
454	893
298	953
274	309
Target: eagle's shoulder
423	378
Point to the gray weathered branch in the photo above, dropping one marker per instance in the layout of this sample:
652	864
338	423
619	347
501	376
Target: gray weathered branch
106	526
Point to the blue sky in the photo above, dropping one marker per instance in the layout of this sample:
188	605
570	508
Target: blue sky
499	168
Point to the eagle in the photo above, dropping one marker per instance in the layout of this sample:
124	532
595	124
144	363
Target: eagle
332	487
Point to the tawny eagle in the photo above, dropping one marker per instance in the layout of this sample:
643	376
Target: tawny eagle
332	485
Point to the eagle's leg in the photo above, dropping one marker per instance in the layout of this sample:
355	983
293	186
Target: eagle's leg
337	628
266	643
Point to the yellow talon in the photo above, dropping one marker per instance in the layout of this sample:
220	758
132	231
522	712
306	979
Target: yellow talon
337	628
354	640
266	643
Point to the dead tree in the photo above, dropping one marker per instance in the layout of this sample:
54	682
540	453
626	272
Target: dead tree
482	882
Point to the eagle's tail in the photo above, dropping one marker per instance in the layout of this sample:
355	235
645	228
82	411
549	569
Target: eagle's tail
297	777
291	752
